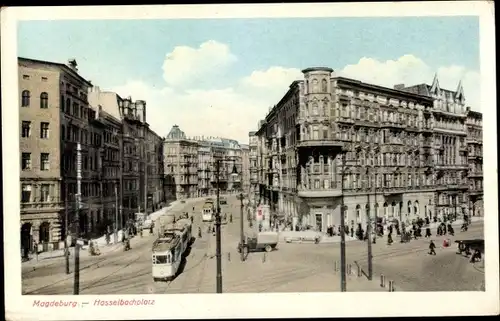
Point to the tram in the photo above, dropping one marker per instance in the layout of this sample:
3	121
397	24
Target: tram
207	212
169	249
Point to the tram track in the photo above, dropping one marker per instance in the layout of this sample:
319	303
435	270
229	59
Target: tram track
86	269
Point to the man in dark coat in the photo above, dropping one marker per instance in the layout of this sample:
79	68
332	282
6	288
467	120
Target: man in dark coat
432	248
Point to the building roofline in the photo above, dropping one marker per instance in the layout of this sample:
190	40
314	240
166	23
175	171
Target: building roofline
328	69
385	89
60	65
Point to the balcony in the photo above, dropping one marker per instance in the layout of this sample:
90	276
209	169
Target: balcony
476	192
320	143
42	206
475	174
427	143
387	124
318	192
475	156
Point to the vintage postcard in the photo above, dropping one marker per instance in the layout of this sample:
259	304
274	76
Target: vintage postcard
215	161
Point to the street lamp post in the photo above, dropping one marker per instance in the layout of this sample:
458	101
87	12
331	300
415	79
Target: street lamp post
342	232
242	237
369	234
217	227
217	233
116	214
66	233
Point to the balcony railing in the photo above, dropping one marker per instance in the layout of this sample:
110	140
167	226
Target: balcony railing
312	192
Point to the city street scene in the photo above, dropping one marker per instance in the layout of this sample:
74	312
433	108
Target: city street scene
236	156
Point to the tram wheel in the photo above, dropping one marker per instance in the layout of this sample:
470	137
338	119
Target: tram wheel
268	248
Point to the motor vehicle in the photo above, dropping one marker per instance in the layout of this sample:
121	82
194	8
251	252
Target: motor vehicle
261	241
146	225
223	201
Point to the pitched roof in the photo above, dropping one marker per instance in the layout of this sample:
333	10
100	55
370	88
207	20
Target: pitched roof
176	133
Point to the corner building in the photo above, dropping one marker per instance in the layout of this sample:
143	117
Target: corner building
397	153
474	124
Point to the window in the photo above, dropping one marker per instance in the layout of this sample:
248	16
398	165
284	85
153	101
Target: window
44	78
44	130
26	129
26	193
26	161
26	77
324	86
44	161
44	100
315	109
68	106
44	193
63	132
75	109
25	98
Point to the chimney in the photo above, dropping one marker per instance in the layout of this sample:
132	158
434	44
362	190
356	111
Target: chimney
399	86
72	64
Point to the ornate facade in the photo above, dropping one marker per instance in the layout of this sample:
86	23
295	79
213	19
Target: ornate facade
474	124
254	168
190	165
397	153
59	110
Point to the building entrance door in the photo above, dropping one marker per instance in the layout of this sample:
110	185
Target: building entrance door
319	222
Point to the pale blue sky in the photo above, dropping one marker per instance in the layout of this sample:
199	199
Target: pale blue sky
138	47
128	55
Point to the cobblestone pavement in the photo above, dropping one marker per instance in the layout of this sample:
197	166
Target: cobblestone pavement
291	268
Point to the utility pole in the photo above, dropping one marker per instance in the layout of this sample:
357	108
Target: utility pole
76	284
369	233
121	174
342	232
375	207
146	163
217	233
242	239
66	233
116	213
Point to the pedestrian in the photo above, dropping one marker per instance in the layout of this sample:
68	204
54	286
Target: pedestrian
427	232
432	248
389	239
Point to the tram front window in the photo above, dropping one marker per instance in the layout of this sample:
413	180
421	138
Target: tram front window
162	259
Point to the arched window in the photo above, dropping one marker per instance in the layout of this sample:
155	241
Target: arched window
44	232
315	86
25	98
307	86
393	209
386	210
44	100
367	210
315	111
324	86
409	207
358	213
415	208
376	210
